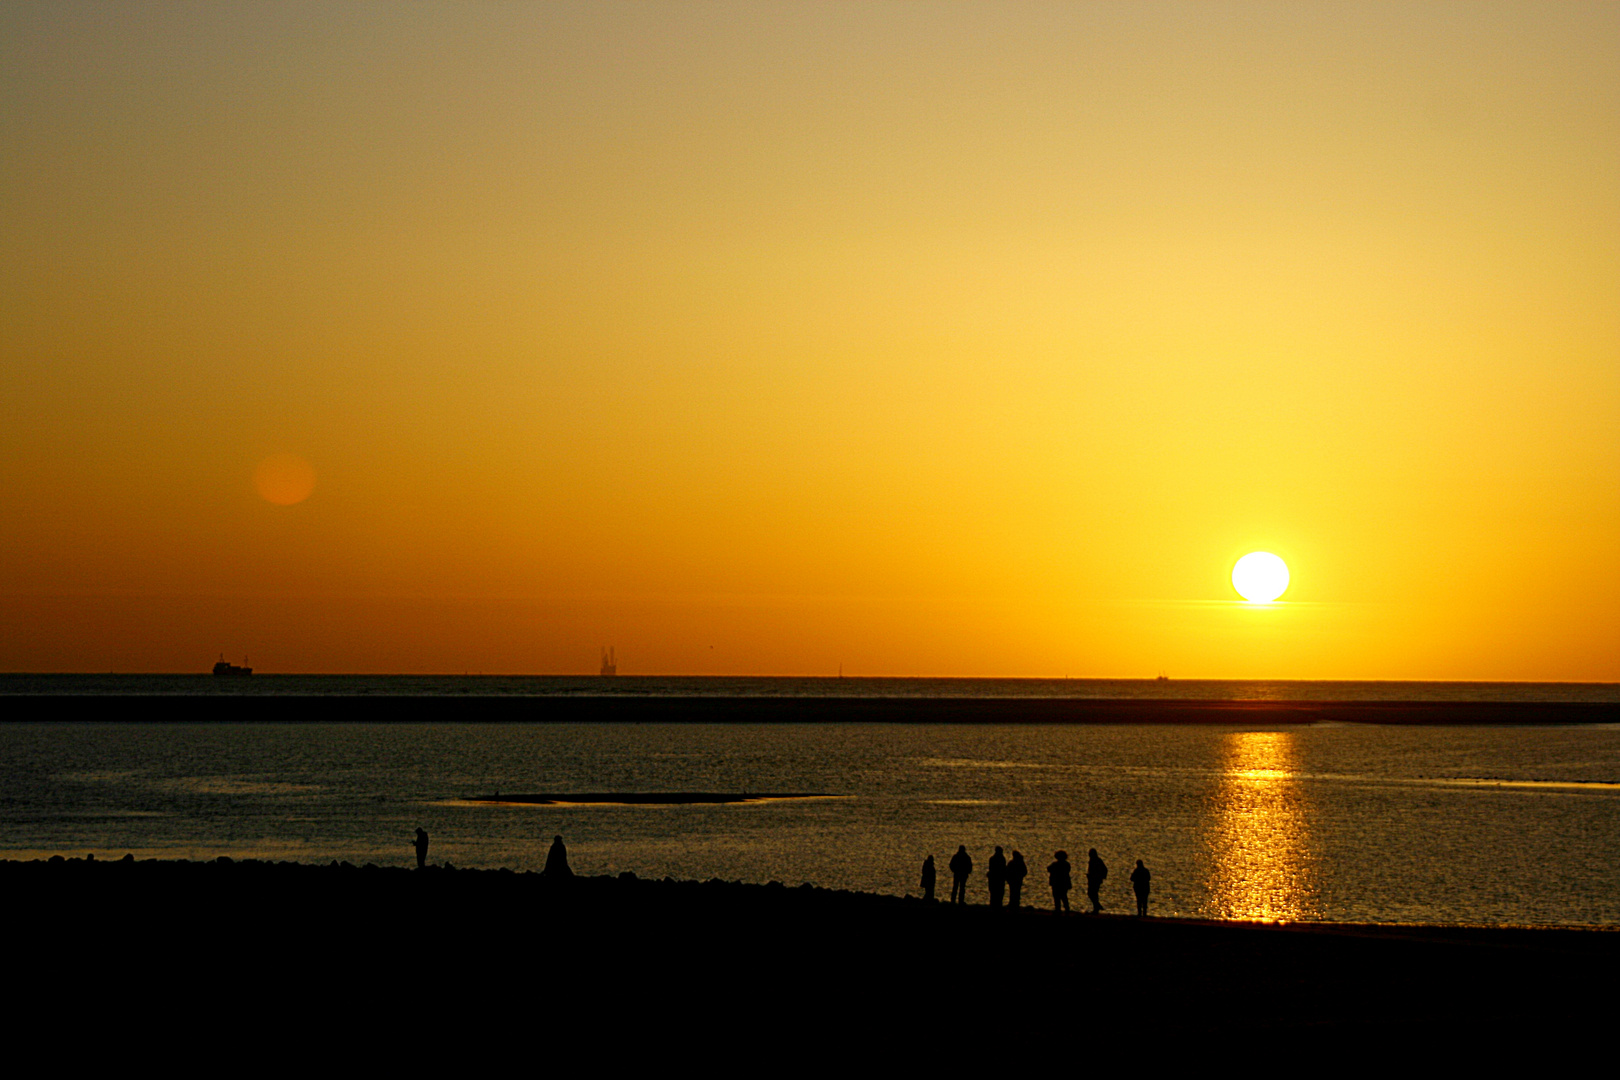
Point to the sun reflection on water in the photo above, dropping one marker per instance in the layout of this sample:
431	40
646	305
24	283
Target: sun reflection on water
1259	839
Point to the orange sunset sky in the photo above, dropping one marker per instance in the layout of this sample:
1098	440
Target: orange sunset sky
925	339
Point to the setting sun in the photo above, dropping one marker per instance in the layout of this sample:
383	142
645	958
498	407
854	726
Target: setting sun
284	479
1260	577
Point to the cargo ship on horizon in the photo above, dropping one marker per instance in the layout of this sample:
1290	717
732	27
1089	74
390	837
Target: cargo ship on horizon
224	667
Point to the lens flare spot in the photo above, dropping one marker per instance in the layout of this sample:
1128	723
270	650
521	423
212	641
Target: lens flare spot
1260	577
284	479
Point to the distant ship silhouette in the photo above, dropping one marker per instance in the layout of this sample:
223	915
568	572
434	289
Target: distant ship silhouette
610	664
223	668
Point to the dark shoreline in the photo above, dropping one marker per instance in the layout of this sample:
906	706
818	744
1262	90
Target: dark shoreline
635	955
645	798
139	708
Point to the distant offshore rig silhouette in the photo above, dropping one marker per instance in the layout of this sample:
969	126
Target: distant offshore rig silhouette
610	663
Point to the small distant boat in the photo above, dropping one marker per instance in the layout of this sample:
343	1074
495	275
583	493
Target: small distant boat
610	663
1162	677
224	668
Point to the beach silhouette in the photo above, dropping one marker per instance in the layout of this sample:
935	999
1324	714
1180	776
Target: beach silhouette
809	955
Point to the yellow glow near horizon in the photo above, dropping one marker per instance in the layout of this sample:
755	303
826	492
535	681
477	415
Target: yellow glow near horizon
1260	577
944	339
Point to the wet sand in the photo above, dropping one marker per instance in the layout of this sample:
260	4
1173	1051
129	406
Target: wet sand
645	959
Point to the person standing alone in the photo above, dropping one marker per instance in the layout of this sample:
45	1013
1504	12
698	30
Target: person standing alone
557	860
1141	881
961	867
1096	872
421	847
997	877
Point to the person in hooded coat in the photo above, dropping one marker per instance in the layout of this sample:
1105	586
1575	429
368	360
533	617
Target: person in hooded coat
557	860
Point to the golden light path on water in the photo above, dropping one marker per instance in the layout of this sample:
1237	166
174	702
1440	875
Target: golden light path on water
1259	837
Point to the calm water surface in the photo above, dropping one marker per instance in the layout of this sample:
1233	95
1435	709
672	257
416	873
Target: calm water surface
1355	822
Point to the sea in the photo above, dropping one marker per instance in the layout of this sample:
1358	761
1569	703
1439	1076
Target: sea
1489	825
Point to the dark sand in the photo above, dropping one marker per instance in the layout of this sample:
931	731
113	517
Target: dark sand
757	710
266	950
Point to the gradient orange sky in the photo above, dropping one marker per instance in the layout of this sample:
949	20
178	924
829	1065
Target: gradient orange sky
923	339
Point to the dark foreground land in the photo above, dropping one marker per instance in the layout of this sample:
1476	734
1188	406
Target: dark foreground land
413	959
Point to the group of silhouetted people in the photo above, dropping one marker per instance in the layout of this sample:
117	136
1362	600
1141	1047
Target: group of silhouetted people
1005	878
1004	875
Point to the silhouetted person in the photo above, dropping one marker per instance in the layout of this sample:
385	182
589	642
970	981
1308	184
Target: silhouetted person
1141	881
997	876
1058	874
1016	873
961	867
1096	871
557	860
927	881
421	847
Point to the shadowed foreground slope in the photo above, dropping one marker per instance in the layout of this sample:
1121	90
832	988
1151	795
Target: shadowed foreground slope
200	945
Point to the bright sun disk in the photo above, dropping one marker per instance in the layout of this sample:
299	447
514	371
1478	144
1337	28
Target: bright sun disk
1260	577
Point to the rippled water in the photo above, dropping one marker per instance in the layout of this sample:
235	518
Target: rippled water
1354	822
